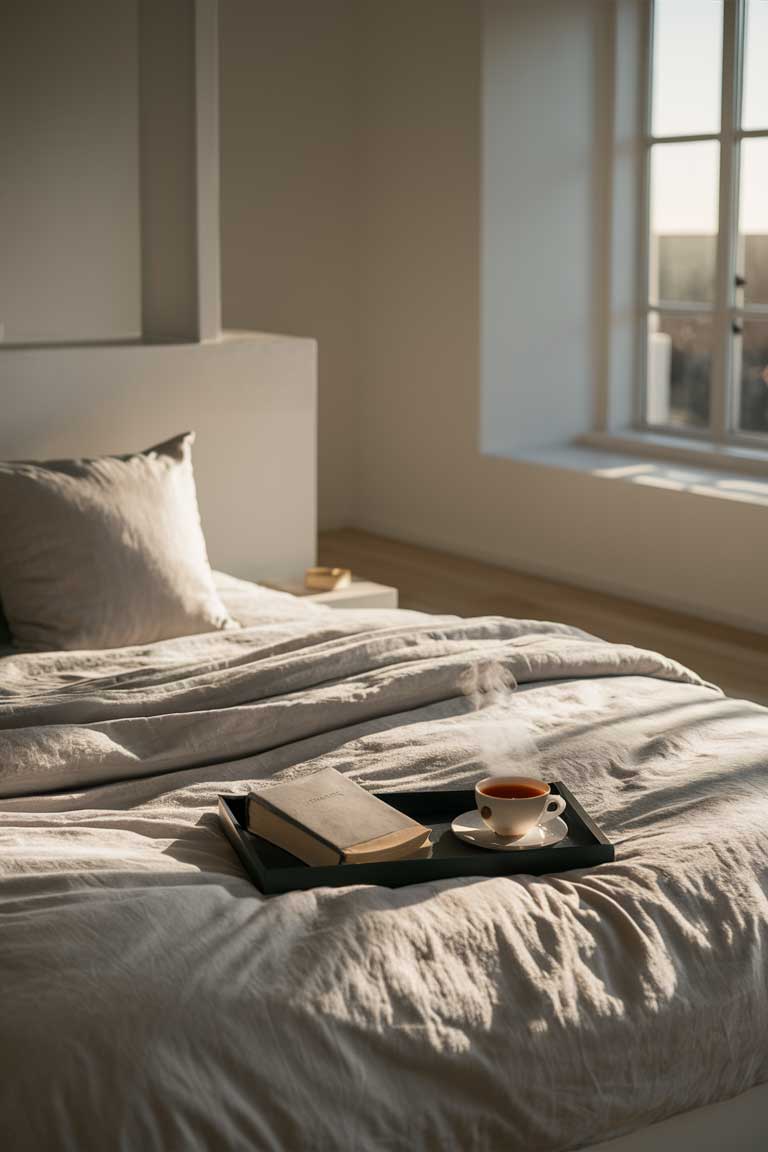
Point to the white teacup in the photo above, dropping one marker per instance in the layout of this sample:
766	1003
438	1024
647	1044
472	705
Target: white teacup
513	805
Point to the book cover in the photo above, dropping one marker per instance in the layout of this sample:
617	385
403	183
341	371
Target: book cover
327	818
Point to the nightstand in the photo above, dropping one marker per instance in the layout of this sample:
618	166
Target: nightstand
358	594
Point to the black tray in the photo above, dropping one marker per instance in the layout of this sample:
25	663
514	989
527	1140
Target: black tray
274	870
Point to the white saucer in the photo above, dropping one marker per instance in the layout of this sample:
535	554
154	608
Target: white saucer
471	827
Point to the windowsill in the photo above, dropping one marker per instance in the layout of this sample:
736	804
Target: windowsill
619	459
679	449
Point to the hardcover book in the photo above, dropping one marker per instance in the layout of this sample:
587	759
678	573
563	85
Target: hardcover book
326	818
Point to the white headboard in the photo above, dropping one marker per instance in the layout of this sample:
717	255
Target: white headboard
251	399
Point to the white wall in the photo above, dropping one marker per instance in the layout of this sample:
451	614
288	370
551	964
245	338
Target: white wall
69	238
290	197
537	223
420	260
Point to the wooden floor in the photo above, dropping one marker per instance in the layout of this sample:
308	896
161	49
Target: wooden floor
434	581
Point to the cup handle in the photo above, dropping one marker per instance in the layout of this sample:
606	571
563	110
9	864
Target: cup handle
551	813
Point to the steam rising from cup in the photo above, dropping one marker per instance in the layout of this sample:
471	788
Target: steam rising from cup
504	743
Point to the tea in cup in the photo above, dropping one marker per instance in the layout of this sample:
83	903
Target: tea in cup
512	805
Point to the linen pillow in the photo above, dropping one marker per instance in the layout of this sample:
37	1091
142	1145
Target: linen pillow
105	553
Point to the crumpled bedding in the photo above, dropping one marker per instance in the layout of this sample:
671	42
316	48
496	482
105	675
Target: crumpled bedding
153	999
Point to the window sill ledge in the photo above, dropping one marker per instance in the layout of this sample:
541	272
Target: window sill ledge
618	458
678	449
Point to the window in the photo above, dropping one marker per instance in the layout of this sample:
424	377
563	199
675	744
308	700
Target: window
704	348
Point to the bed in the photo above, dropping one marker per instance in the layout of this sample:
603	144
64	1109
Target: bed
153	999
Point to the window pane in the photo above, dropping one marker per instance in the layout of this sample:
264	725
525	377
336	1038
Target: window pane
755	105
679	369
753	221
687	63
683	241
752	366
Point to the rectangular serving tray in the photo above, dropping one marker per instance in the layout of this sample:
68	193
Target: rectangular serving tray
273	870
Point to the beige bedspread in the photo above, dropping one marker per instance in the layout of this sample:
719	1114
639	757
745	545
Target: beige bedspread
151	998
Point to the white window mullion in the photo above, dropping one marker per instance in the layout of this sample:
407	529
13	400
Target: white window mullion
644	215
722	407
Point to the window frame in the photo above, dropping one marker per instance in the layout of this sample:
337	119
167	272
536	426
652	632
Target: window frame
727	315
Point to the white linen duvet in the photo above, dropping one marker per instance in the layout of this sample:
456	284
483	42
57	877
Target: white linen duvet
152	999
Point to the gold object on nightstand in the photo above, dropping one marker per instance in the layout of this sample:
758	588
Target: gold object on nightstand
327	579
